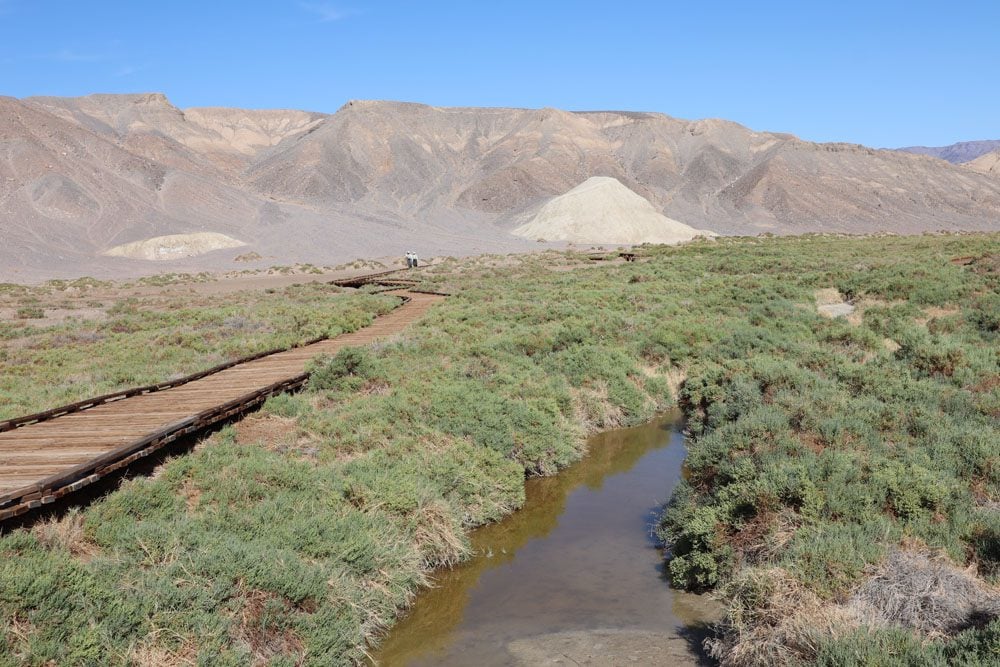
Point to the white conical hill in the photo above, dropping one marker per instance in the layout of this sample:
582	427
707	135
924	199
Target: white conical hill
602	210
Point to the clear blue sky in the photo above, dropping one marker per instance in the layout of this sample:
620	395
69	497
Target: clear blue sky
878	72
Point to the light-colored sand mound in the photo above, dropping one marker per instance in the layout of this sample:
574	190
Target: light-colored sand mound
174	246
602	210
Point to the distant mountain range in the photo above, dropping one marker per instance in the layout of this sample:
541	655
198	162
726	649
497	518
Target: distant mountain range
84	177
964	151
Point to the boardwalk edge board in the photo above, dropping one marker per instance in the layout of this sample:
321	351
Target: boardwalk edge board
44	491
48	490
86	404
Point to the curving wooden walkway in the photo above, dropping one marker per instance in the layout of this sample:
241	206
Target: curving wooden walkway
45	460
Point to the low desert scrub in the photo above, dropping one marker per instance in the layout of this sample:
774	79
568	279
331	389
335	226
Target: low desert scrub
818	449
30	313
815	453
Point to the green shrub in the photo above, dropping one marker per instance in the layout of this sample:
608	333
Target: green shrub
30	313
346	370
985	314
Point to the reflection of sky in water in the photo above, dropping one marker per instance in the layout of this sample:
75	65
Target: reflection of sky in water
578	556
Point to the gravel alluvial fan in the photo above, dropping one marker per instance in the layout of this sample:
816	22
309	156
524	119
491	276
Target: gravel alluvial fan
79	176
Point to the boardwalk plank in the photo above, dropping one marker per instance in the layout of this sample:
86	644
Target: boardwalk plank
68	451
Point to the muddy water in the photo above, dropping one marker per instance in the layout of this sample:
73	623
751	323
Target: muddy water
573	577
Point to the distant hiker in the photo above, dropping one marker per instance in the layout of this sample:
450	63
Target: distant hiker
415	260
410	261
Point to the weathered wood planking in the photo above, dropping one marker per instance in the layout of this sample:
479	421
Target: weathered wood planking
50	454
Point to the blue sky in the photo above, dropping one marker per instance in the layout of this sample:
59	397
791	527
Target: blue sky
878	72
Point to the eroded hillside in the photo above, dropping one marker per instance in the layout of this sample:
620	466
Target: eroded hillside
79	176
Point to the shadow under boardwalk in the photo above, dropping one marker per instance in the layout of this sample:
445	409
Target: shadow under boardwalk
47	459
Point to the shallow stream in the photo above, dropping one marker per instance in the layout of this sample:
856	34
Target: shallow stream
574	577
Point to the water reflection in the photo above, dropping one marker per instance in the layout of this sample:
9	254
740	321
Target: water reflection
578	556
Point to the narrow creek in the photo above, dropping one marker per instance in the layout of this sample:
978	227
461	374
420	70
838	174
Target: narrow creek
574	577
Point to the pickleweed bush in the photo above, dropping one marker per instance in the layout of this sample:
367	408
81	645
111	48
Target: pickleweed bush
829	556
346	370
896	647
816	446
984	314
287	405
698	558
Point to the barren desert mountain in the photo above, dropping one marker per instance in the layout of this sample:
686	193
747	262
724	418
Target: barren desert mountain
986	164
79	176
407	159
150	126
602	210
963	151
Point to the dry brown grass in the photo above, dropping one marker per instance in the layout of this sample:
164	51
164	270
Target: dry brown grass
268	431
832	304
376	387
191	495
863	304
935	312
67	532
924	591
828	296
150	653
17	631
264	640
595	411
674	376
775	620
675	379
439	535
277	434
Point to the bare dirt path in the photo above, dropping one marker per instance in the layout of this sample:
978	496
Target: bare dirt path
43	461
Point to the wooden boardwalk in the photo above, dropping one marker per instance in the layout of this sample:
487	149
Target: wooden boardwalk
47	459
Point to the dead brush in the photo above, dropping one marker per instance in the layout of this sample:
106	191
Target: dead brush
191	495
924	591
376	387
786	523
751	541
255	627
67	532
17	631
150	653
774	620
438	535
595	411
